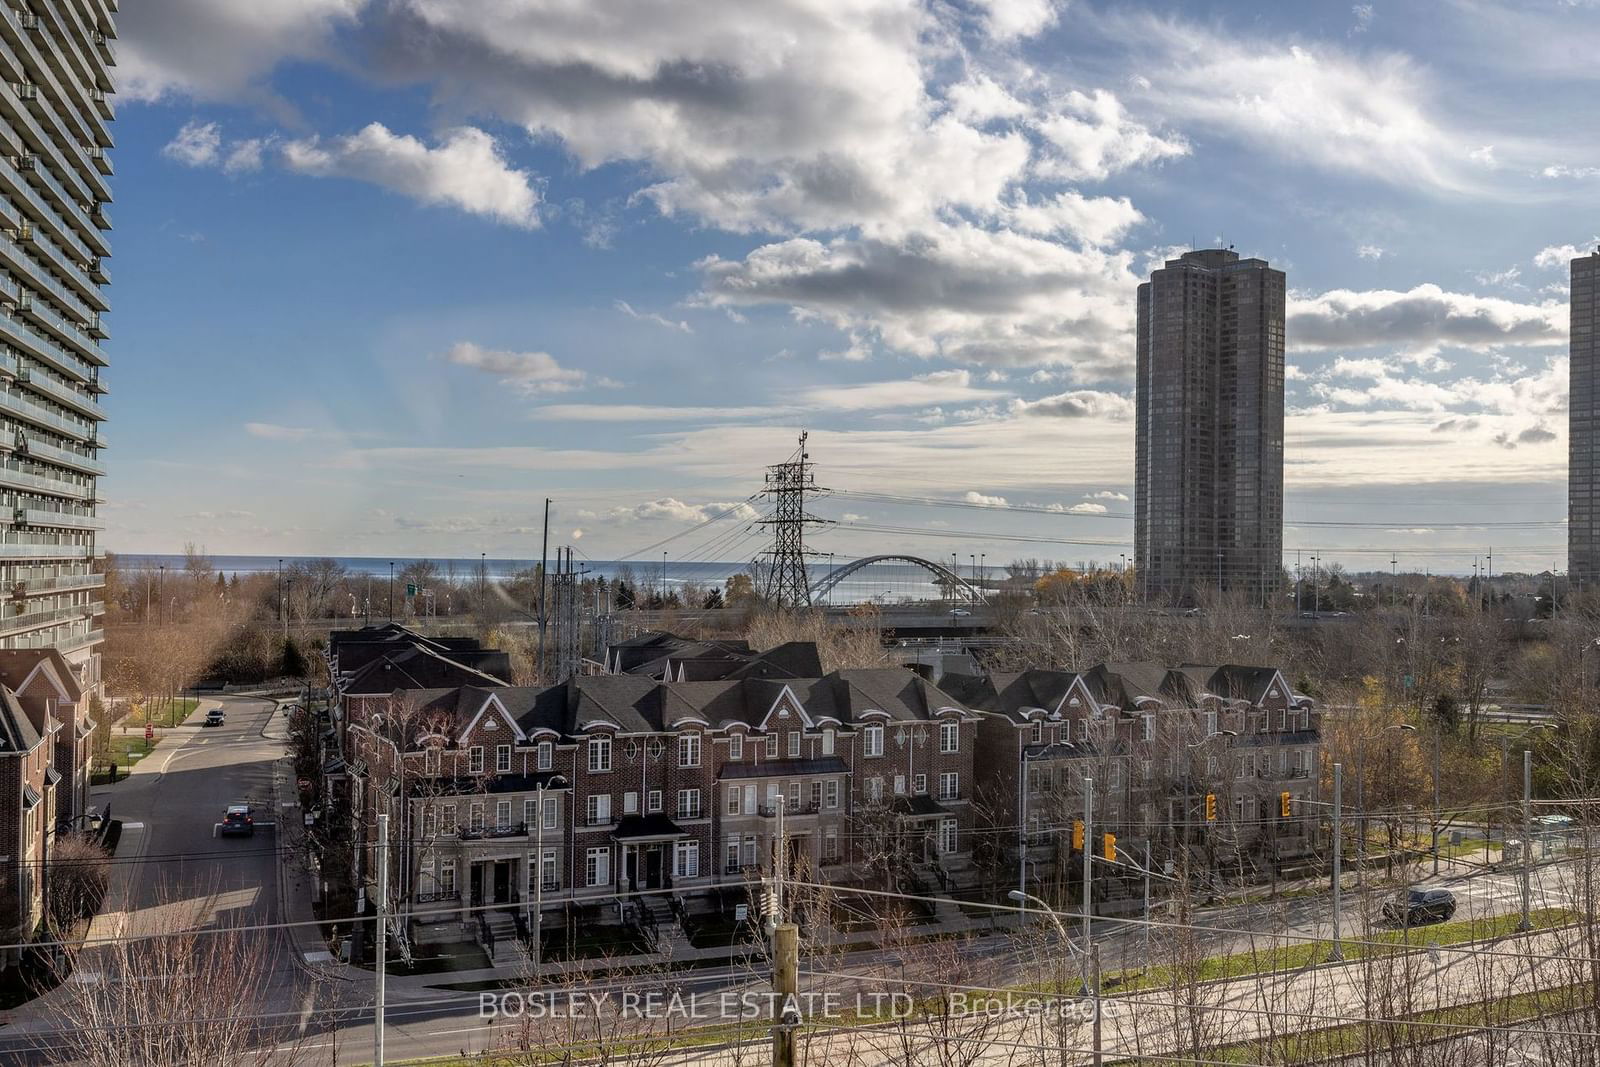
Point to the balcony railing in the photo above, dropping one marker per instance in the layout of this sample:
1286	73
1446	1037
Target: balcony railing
770	811
480	833
65	519
72	644
43	551
441	897
28	411
63	394
64	457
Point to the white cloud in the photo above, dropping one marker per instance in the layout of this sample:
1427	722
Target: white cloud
213	49
1108	494
1009	19
1422	315
1499	277
196	144
651	316
270	431
1369	252
980	99
1091	137
955	291
647	413
939	387
984	500
245	156
1079	404
1562	170
466	170
1362	14
530	372
1369	113
672	509
1097	220
1087	509
1559	257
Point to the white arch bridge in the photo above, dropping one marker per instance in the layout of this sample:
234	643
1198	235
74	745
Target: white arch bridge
959	587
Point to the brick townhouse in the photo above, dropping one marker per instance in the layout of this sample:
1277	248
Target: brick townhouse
650	785
44	745
1156	742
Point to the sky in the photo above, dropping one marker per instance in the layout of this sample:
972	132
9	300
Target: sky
390	273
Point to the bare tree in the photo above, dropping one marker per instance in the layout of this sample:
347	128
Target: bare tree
177	995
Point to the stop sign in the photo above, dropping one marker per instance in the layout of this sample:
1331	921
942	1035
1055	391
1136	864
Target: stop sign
149	732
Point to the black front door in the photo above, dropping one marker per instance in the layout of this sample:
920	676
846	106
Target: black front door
477	883
652	878
633	869
502	882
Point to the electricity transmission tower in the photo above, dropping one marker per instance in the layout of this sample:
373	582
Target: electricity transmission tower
786	486
568	623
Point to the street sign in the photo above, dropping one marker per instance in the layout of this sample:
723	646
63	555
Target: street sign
149	732
411	590
741	912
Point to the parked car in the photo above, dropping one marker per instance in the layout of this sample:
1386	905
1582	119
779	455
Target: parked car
1419	905
214	717
238	821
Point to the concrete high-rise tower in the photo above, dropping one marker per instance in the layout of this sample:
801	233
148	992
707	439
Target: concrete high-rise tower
54	170
1208	509
1583	427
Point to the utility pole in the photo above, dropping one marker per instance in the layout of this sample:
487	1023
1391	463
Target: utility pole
786	984
1439	728
1147	899
1338	854
380	940
1094	971
1527	836
785	956
544	558
391	590
1088	863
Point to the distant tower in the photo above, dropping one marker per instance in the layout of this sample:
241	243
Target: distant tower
1208	493
787	484
1583	435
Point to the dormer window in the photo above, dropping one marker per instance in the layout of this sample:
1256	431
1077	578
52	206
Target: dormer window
599	754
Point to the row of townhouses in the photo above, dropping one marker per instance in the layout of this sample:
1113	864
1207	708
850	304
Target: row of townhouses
46	733
672	773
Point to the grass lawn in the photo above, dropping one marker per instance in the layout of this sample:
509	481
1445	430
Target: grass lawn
1352	1039
593	942
1302	954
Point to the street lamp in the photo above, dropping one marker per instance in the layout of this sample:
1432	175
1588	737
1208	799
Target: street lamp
1093	981
1525	923
556	781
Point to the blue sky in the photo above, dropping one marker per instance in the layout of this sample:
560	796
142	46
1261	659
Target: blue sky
390	272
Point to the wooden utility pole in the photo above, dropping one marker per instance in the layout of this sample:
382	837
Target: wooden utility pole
786	984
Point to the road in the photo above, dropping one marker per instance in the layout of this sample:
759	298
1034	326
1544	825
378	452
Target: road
176	867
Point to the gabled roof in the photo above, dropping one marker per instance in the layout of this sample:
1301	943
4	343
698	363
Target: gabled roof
23	668
415	667
17	732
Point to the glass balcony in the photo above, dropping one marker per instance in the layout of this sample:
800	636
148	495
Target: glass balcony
42	348
63	394
64	457
39	484
70	520
35	551
43	212
28	411
72	644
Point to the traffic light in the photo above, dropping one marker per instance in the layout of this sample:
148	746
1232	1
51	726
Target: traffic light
1077	833
1211	807
1109	843
1283	801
